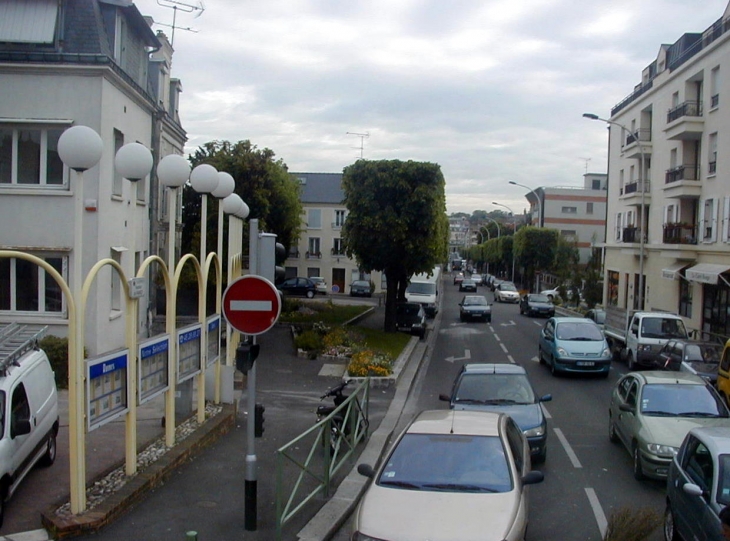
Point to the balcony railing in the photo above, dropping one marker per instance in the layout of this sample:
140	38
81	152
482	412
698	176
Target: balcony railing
679	233
631	234
337	253
688	108
644	134
337	225
687	171
635	186
314	255
293	254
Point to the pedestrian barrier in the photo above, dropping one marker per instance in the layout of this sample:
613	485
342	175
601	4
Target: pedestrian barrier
318	457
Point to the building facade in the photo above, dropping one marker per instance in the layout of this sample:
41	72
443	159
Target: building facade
320	251
95	63
667	180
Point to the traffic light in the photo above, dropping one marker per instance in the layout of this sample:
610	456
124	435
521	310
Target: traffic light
246	354
279	258
258	420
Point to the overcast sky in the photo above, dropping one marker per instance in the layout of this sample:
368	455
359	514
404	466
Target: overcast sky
491	90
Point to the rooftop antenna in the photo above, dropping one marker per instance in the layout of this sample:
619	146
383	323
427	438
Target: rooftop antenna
185	8
586	160
362	137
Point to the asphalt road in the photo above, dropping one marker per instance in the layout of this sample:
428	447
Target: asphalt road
587	478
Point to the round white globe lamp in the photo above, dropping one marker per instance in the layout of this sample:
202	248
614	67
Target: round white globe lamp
204	178
173	170
225	187
133	161
80	148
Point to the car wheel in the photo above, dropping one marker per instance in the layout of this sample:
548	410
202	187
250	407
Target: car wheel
670	532
612	430
541	456
488	320
638	470
50	456
461	318
630	361
539	355
553	370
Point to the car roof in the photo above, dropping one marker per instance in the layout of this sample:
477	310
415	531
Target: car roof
585	321
493	368
474	297
461	422
667	377
716	438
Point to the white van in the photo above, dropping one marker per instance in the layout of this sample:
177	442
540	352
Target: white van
28	407
424	289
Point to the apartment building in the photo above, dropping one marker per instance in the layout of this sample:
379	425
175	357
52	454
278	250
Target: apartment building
578	213
320	251
667	180
95	63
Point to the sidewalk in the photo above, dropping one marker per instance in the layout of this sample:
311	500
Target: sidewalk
206	495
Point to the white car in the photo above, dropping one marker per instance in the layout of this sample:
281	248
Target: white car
506	292
321	284
452	474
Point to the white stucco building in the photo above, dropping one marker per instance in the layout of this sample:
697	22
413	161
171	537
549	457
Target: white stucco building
675	122
80	62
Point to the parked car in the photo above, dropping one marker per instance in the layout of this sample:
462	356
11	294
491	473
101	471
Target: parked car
478	280
723	373
574	344
360	288
534	304
697	487
458	278
450	475
321	284
651	412
504	388
410	317
475	307
495	283
468	285
598	316
506	292
693	356
298	286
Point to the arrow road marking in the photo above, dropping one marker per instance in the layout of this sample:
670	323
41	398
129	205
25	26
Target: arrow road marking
510	324
250	306
466	357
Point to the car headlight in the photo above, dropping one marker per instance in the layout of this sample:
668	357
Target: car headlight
606	352
534	432
644	347
357	536
664	451
562	352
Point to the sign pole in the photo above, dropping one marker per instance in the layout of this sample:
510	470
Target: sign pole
250	493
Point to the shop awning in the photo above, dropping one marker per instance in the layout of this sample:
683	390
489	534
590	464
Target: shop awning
672	271
706	273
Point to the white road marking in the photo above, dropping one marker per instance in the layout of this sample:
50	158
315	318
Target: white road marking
535	359
466	357
496	337
538	323
597	511
510	324
568	449
510	359
545	411
250	306
504	348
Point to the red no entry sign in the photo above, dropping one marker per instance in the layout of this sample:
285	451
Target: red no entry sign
251	304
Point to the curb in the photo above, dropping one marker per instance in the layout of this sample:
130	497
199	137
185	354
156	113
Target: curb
92	520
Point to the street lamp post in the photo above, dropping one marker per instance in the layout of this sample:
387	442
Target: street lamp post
514	226
539	204
80	148
636	134
495	223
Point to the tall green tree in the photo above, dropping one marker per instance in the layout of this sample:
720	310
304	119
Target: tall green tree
396	221
535	250
262	181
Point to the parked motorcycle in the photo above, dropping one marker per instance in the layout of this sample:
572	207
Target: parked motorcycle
345	420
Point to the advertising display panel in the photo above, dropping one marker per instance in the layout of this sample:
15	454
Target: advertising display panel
189	351
214	339
153	370
107	388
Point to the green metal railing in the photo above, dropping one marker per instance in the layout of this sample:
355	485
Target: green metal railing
315	456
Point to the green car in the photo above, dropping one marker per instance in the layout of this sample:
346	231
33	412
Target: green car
651	413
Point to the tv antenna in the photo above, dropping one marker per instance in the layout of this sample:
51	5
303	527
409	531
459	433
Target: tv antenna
185	8
362	137
586	160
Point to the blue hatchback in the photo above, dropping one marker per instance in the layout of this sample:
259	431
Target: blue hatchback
574	344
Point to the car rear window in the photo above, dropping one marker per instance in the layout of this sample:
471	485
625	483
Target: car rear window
579	331
686	400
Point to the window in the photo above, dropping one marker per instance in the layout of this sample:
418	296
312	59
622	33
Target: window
685	297
712	155
29	156
117	178
619	226
339	218
613	281
569	210
314	219
313	249
569	234
116	285
596	184
589	208
26	287
715	87
708	221
338	248
726	220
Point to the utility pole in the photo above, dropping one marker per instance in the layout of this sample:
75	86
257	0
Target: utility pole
362	137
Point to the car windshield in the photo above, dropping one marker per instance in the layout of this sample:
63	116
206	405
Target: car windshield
538	298
422	288
507	287
360	283
491	389
658	327
671	400
448	463
702	353
578	331
474	301
723	486
408	309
